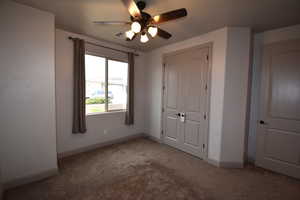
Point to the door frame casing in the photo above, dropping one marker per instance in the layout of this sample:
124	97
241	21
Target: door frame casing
208	45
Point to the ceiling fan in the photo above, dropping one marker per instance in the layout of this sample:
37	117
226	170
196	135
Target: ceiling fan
143	23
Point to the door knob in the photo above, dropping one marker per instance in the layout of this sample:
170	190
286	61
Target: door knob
178	114
262	122
182	117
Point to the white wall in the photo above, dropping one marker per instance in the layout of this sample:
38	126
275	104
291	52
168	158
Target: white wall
154	86
261	39
27	83
97	125
221	69
235	95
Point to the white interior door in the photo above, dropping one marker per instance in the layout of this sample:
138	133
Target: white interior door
185	100
172	106
278	140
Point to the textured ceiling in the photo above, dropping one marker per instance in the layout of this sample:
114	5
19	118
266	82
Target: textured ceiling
203	16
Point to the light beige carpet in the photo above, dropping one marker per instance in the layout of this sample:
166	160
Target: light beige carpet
142	169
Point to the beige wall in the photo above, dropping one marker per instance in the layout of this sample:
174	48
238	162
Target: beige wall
100	128
261	39
27	83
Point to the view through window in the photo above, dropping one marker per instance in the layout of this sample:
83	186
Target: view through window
106	84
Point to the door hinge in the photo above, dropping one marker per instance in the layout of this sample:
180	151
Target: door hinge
207	57
203	146
162	110
162	132
164	87
206	86
204	116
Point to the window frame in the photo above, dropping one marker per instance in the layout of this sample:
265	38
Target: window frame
107	111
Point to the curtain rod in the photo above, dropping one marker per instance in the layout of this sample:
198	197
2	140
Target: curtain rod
71	38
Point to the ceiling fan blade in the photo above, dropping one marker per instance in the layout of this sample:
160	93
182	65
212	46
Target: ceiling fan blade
168	16
163	34
112	22
132	8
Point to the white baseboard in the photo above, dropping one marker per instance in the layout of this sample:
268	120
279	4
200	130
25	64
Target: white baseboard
233	165
30	179
99	145
155	139
213	162
53	172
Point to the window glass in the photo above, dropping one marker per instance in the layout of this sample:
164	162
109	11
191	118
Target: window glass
95	84
105	94
117	85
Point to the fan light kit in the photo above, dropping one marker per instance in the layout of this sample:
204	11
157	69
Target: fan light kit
130	34
144	38
152	31
136	27
143	23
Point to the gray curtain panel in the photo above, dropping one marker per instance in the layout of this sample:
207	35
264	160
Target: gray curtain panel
129	116
79	124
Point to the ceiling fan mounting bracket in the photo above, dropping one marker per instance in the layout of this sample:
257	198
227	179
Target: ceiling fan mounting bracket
141	5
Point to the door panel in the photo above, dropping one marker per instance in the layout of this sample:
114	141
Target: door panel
285	77
192	84
288	152
172	87
194	94
191	134
278	140
185	78
171	128
171	104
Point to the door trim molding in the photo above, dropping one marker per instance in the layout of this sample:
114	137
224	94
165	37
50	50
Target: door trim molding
208	45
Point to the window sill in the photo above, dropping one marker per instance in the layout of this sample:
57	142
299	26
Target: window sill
106	113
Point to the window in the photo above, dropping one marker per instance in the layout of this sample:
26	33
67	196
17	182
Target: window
106	84
117	85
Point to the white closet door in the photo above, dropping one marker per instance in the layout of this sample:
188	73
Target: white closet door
185	100
172	104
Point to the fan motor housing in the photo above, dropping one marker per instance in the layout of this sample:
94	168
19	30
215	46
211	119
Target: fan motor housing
144	20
